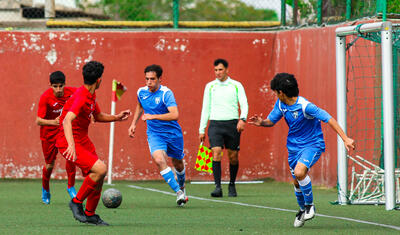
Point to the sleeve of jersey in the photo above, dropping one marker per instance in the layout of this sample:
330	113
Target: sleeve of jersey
275	115
96	109
76	106
169	99
244	107
42	109
205	111
316	112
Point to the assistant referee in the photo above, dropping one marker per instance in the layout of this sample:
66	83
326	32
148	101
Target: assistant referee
221	101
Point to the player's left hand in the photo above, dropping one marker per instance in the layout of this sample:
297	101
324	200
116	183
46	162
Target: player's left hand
122	116
349	144
146	116
70	153
240	125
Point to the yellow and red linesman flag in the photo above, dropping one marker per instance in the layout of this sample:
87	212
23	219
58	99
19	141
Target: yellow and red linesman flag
204	159
117	90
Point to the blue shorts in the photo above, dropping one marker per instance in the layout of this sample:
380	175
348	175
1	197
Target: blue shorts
173	146
308	156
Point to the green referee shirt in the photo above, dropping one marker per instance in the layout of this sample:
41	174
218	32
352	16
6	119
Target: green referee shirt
221	101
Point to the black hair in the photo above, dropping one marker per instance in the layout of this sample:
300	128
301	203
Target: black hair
154	68
57	77
221	61
92	71
286	83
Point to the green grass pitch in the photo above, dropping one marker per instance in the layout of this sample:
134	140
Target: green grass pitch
152	212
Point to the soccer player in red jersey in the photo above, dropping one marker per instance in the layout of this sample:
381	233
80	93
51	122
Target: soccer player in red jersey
75	145
50	106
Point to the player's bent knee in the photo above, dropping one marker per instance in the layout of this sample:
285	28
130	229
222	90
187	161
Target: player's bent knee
300	174
100	169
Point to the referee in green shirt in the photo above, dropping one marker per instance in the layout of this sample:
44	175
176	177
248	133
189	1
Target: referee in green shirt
221	101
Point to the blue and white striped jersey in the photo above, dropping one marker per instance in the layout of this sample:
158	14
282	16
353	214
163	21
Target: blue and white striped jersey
304	121
158	103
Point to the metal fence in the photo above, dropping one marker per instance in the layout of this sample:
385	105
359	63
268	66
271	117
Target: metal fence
193	13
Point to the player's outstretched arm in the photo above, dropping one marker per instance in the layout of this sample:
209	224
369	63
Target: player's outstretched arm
136	115
104	117
257	120
348	142
172	115
70	153
47	122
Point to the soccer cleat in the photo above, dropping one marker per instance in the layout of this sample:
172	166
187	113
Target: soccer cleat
310	212
217	192
77	211
72	192
299	220
181	198
232	190
45	196
96	220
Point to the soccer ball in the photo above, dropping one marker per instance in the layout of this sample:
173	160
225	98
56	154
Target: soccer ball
112	198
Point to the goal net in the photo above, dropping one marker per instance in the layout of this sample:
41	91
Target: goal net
368	107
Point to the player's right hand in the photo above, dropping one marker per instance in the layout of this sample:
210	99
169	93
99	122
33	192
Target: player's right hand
57	120
131	131
70	153
256	120
202	137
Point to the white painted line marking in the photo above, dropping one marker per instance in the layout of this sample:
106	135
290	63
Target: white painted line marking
267	207
227	182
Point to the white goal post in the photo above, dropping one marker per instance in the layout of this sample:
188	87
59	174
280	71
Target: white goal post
388	110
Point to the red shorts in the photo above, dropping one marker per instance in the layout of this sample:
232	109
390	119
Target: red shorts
49	151
86	155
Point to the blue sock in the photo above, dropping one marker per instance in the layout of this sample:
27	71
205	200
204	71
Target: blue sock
169	177
300	197
181	177
306	188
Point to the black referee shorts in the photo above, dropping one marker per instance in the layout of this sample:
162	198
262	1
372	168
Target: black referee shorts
224	134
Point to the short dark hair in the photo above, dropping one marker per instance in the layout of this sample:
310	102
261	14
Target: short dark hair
154	68
221	61
92	71
286	83
57	77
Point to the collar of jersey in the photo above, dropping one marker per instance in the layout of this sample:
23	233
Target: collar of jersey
224	82
159	88
87	93
291	106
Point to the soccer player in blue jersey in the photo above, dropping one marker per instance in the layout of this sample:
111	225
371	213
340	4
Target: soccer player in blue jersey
305	141
164	135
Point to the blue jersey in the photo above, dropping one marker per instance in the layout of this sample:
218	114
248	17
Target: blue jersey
304	121
158	103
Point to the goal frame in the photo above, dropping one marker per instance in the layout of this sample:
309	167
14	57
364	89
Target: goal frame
388	109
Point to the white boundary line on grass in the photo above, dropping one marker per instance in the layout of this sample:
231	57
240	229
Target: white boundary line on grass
227	182
267	207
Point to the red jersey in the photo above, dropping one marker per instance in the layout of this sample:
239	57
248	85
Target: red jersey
83	104
50	108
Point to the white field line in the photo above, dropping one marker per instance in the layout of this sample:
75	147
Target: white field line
267	207
227	182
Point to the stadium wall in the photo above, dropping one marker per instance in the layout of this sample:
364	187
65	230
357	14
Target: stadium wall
27	58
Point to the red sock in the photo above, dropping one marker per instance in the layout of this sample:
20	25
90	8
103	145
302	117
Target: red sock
86	189
92	202
70	168
46	179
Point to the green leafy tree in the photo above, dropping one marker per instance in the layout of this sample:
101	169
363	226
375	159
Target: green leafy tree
223	10
218	10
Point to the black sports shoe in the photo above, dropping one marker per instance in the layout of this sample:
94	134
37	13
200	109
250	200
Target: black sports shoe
217	192
232	190
96	220
299	220
77	211
310	212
